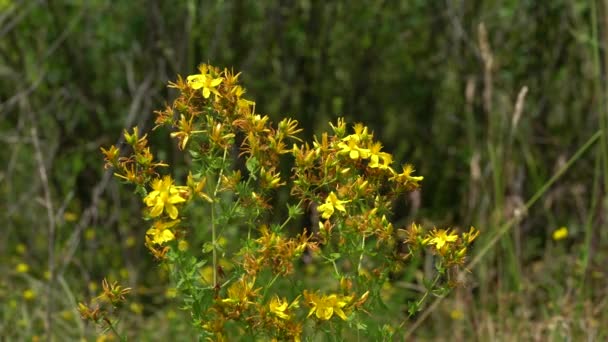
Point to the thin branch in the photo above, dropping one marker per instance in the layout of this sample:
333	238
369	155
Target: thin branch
48	203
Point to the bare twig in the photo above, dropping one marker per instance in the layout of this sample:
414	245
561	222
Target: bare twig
488	65
519	106
48	203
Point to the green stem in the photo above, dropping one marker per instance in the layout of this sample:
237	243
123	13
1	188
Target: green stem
111	326
426	293
266	287
361	256
213	232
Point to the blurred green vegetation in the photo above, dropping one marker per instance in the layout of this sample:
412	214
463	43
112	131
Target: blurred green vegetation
437	81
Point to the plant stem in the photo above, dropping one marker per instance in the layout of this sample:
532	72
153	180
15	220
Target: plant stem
213	232
361	256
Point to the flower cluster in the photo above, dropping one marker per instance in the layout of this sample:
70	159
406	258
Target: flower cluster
344	182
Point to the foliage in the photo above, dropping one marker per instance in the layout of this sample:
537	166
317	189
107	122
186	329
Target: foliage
258	287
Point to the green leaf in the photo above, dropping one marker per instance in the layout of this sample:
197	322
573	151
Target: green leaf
253	166
207	247
294	210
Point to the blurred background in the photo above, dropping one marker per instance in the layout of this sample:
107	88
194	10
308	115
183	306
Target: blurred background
488	99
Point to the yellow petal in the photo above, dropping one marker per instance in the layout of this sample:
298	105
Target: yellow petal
216	82
165	236
325	313
176	199
196	81
172	211
340	207
157	210
340	313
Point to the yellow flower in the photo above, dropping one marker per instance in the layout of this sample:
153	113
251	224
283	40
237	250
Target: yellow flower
22	268
560	233
29	294
406	175
360	131
278	307
471	235
351	147
69	216
182	245
136	308
196	187
105	338
21	249
375	155
331	203
456	315
164	197
440	237
325	306
130	241
171	292
89	234
205	81
160	232
241	291
185	131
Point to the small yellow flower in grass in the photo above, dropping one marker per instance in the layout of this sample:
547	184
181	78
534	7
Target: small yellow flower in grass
171	292
22	268
29	294
105	338
130	241
441	237
331	204
182	245
136	308
124	273
456	315
560	234
67	315
164	197
21	249
324	307
69	216
89	234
